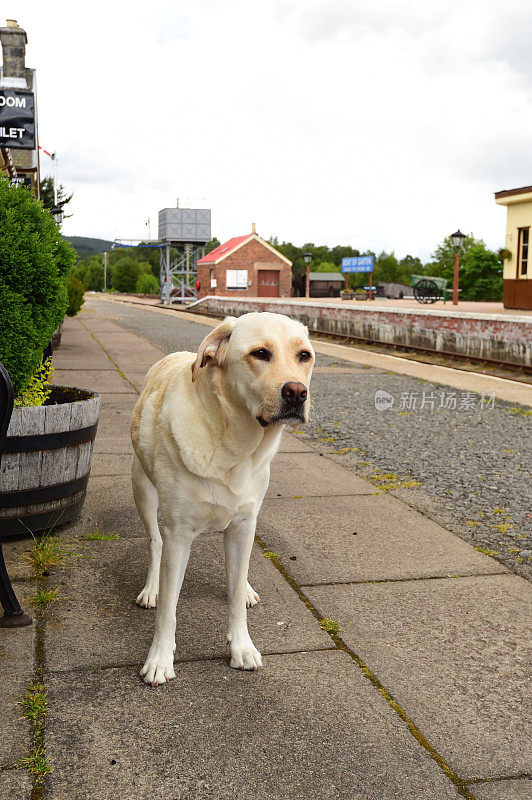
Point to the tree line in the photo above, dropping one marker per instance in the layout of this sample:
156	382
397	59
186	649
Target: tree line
136	269
480	268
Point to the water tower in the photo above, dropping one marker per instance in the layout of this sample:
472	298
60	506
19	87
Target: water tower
183	234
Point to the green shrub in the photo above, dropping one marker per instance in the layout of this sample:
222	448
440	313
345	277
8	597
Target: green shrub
90	273
125	275
37	391
147	284
34	264
76	292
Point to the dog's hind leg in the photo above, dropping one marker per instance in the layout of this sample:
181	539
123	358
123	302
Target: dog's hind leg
252	598
147	502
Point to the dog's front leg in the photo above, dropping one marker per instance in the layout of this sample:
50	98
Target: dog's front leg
238	541
159	665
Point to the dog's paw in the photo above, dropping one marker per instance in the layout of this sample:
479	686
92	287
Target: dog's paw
244	654
252	597
147	598
158	668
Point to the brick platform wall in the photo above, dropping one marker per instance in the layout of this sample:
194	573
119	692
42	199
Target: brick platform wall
252	256
476	335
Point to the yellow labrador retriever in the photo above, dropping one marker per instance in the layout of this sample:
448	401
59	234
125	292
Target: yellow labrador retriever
204	431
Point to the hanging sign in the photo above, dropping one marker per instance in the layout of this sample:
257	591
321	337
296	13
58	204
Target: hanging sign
17	119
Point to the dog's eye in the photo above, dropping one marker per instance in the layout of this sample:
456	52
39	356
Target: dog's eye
261	354
304	355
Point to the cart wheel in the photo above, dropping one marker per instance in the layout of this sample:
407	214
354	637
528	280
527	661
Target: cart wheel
426	291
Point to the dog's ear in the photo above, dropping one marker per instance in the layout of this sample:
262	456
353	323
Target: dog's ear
214	345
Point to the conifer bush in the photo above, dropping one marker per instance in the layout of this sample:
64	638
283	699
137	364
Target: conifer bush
76	292
34	265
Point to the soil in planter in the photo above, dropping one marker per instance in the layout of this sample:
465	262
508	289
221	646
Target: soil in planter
67	394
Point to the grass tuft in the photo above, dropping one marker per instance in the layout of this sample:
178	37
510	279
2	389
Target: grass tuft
269	554
33	704
486	552
329	625
37	763
100	536
35	709
521	412
47	552
43	597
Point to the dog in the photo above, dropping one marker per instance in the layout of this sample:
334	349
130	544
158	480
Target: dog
204	432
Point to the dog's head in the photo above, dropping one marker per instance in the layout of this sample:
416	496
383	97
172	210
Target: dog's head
264	362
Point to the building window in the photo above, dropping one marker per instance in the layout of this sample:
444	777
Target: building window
236	279
522	252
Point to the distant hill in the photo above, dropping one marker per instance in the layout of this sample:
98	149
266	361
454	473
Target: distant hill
86	247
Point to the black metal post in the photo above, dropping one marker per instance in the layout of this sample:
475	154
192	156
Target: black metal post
14	617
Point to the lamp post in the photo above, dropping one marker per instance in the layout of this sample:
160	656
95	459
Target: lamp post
57	213
307	258
457	240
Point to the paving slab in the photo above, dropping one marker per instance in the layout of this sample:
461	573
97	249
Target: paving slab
115	418
17	567
16	673
307	474
374	537
15	784
108	443
278	734
98	623
111	464
102	381
78	358
520	789
453	654
293	444
109	506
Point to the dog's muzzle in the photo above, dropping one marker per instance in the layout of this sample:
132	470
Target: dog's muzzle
292	410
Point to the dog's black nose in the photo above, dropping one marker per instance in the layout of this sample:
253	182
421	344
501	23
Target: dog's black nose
294	392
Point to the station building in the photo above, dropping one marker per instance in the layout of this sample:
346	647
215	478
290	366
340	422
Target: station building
517	276
245	266
326	284
17	82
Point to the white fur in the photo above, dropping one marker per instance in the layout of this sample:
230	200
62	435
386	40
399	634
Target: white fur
203	459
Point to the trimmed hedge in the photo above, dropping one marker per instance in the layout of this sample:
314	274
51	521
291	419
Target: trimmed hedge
34	265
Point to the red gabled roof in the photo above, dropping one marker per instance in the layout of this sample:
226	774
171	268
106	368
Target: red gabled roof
224	249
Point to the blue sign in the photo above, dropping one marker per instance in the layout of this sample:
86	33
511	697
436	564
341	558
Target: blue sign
357	264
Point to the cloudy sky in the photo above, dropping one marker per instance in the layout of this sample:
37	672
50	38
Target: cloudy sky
385	125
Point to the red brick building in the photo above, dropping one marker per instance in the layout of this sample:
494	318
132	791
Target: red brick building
245	266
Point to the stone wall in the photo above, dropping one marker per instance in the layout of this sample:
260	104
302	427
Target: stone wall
489	336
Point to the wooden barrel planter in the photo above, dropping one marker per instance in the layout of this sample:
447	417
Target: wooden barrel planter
47	460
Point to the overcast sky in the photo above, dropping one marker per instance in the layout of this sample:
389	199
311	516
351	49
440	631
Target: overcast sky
384	125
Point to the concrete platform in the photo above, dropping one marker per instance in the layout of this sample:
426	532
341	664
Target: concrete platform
316	721
99	625
308	726
17	647
15	784
369	537
453	653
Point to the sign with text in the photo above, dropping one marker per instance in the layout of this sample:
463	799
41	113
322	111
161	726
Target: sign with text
17	119
357	264
21	180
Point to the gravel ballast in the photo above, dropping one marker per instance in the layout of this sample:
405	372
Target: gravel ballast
461	459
